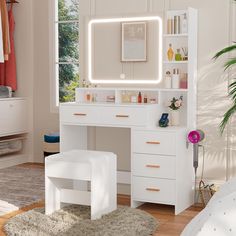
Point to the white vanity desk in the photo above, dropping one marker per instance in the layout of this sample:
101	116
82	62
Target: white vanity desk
161	165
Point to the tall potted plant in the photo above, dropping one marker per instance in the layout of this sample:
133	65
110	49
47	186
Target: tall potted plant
230	63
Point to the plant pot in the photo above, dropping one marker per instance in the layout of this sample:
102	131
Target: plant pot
175	117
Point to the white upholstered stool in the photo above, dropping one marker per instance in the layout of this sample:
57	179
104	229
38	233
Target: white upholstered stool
64	173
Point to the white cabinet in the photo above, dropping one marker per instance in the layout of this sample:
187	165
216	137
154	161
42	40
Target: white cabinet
13	118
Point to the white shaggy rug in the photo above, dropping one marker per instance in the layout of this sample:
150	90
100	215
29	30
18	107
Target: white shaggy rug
75	220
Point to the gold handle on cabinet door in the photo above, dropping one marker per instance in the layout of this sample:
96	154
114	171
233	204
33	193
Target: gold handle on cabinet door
153	189
153	142
153	166
80	114
122	116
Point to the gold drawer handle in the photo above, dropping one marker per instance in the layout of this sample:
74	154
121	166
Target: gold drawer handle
153	166
80	114
153	143
122	116
153	189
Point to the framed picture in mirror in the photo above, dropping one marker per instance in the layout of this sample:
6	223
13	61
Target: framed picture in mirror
133	41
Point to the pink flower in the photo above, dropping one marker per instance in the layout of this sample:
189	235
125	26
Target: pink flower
178	103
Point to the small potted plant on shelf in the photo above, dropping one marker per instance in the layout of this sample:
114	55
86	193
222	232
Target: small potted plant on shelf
175	105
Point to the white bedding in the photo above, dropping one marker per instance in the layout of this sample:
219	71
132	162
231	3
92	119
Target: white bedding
219	216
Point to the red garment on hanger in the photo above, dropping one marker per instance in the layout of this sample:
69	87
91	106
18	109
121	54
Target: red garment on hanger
8	69
10	65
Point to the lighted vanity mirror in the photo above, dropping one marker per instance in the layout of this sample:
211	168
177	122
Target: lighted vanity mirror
125	50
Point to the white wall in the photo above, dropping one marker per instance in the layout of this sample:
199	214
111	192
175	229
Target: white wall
24	50
44	120
213	35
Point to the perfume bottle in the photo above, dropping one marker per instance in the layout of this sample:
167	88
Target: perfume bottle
178	56
170	53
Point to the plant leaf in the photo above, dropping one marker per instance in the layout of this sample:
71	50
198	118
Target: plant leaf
230	63
225	50
227	117
233	84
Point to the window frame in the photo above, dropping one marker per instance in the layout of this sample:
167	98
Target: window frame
54	54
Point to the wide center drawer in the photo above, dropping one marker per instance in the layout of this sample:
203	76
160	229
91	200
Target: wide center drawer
79	114
153	190
154	166
154	142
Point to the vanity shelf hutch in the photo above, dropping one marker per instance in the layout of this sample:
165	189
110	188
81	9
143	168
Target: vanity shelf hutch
161	161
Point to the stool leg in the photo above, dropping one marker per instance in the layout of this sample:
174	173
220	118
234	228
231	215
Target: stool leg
103	189
113	185
52	196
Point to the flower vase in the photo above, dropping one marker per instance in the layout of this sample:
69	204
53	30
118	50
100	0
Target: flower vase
175	117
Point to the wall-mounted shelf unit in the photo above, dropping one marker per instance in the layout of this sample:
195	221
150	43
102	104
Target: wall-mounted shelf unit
13	131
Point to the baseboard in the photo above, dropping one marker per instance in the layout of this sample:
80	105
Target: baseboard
35	163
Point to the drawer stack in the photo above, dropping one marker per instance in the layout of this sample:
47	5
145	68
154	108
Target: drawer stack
154	166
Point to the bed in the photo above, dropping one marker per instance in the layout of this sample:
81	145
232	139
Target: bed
218	218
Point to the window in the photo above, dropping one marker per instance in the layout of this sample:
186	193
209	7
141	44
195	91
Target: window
65	42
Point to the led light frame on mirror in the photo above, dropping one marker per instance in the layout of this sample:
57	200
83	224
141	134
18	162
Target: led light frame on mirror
125	19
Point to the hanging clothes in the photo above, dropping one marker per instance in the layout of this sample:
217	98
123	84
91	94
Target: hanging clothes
5	29
8	68
10	64
1	44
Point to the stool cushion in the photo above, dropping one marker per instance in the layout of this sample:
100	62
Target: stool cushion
52	138
79	164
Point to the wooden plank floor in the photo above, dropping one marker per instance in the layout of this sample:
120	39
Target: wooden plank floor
169	224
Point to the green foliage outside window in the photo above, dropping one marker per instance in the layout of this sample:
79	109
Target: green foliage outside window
68	37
